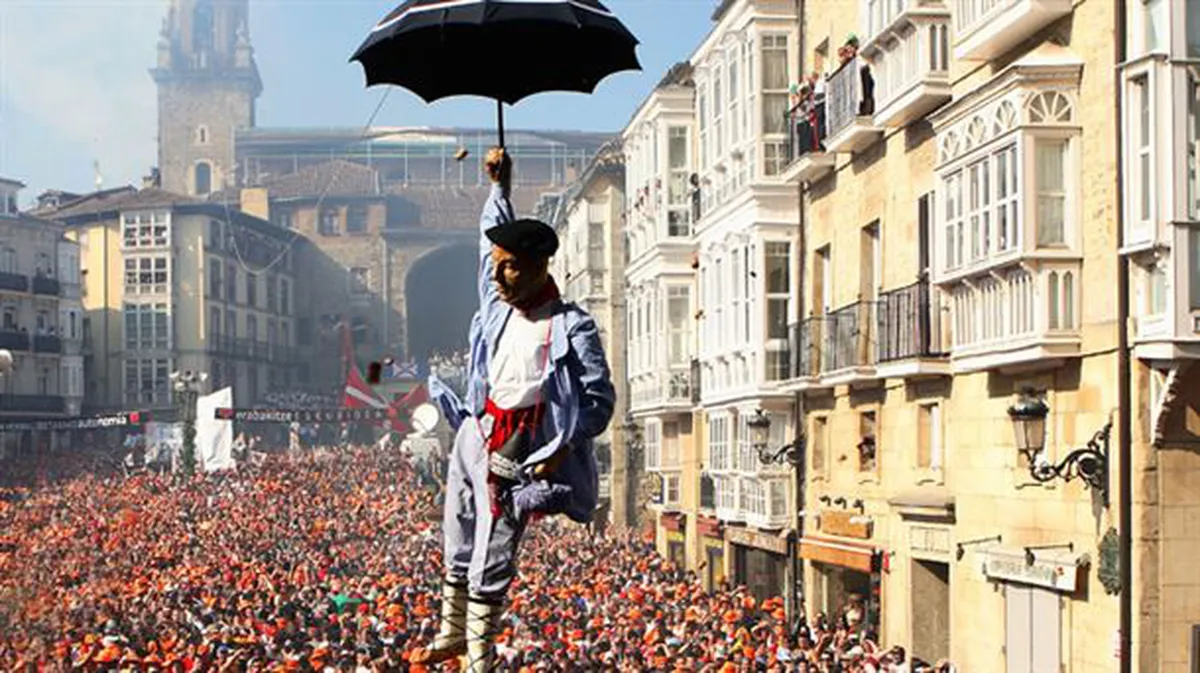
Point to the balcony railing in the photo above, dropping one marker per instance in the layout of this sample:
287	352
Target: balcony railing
908	323
845	337
14	282
851	98
47	343
42	404
804	336
14	341
695	375
679	387
46	286
806	128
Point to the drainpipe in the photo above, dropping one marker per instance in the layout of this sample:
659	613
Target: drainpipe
801	467
1124	365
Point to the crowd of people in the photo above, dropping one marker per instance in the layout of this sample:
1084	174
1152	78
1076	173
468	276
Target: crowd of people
329	560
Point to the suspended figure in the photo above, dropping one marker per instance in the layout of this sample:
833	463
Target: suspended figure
538	391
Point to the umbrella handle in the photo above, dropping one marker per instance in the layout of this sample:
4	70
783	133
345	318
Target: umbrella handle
500	121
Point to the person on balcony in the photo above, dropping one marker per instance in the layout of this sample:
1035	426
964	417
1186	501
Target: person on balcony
539	390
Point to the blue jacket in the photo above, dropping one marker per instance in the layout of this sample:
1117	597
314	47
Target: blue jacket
577	386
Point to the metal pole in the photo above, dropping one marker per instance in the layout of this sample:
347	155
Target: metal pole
500	121
1124	367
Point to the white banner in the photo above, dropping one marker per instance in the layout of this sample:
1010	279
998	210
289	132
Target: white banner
214	439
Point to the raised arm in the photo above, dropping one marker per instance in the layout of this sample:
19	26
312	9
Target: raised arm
496	210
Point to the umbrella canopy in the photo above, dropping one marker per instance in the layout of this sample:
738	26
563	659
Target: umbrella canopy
501	49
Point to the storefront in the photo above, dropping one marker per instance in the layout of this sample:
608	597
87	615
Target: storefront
1035	584
847	574
712	551
676	538
760	561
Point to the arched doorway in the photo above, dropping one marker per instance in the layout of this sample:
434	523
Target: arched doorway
440	298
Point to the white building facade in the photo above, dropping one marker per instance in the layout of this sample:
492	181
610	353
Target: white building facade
660	304
745	233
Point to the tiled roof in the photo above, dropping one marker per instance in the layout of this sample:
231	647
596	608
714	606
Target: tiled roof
120	198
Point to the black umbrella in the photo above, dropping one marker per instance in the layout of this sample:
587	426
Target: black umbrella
501	49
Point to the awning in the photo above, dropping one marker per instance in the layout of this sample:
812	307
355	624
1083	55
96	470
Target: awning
836	553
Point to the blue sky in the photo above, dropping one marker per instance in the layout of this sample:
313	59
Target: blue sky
75	88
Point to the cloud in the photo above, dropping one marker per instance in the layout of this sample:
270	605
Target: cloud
79	68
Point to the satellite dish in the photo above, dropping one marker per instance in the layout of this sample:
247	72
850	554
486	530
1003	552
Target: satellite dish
425	417
6	361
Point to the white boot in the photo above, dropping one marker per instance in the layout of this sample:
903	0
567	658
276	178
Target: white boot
451	639
483	625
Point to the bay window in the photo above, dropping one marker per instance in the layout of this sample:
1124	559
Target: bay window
147	326
1194	268
147	275
718	444
774	100
1051	167
678	165
1192	141
735	95
777	266
146	229
1141	132
679	323
702	120
718	108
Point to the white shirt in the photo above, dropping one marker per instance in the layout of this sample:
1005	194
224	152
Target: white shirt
519	360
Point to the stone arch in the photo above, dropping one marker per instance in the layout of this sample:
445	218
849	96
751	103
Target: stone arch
440	296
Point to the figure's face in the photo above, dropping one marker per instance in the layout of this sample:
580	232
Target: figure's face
517	278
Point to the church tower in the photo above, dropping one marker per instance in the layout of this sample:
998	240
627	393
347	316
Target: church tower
207	87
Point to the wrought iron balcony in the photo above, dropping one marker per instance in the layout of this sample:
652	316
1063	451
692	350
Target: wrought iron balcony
807	157
14	341
14	282
45	285
851	102
47	343
909	323
805	336
42	404
846	335
679	387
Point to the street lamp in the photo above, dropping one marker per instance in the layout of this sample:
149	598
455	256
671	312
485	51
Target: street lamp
760	429
186	385
1089	463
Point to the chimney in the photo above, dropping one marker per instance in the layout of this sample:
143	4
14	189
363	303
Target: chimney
153	180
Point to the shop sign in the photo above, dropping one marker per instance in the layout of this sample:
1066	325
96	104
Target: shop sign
751	538
845	524
708	527
836	554
1014	567
672	522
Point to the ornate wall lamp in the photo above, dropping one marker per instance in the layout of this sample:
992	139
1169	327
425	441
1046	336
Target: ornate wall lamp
1088	463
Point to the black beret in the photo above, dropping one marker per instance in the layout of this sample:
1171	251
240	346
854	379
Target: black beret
525	237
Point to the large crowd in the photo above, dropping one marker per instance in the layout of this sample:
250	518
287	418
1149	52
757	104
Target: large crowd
329	560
